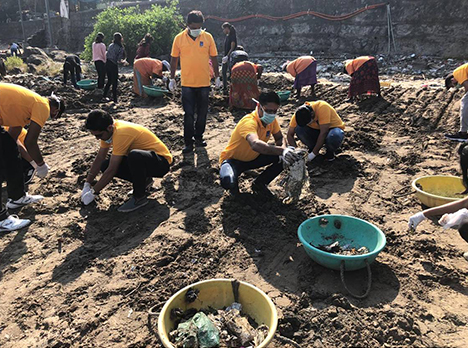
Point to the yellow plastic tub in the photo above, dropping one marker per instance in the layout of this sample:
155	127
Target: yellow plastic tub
218	293
435	190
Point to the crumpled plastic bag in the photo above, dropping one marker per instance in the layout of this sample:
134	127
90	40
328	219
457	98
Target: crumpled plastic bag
294	180
199	332
454	220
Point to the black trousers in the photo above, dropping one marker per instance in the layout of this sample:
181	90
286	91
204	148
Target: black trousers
74	72
11	169
101	71
231	169
112	71
195	100
138	166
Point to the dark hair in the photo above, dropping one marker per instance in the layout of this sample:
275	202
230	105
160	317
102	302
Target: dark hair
304	115
232	29
269	97
146	40
344	70
99	37
98	120
57	102
448	81
195	17
118	39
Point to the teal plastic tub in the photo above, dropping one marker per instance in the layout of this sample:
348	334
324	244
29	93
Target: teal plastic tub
87	84
346	230
284	95
154	91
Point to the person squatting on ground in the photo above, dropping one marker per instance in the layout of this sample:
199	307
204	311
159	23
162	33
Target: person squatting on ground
144	69
195	48
230	44
364	74
115	55
143	49
304	71
317	124
18	108
248	148
137	156
99	58
244	85
460	77
72	66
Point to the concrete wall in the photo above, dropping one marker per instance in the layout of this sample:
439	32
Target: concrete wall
426	27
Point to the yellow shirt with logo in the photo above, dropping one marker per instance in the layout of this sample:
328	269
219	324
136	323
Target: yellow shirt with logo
19	106
324	114
238	147
129	136
461	73
194	58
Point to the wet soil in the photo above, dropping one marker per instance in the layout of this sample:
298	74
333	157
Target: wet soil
87	276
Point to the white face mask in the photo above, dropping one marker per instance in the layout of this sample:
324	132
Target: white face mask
195	32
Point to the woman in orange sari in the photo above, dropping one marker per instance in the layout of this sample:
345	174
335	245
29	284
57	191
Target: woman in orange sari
364	76
244	86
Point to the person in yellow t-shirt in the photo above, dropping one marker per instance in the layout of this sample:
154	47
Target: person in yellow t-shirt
195	48
460	77
317	124
304	71
137	156
20	107
248	147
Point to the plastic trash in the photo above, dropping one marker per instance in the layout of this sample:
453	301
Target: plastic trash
186	335
454	220
208	334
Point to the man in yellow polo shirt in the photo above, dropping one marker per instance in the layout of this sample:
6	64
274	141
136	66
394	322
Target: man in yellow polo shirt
195	48
137	156
460	76
20	107
28	164
248	147
317	124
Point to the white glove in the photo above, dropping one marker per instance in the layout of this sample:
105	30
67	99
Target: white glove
42	171
88	197
33	163
415	220
218	83
225	59
172	85
311	156
86	188
289	156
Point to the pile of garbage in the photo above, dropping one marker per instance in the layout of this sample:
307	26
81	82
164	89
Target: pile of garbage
223	328
337	248
294	180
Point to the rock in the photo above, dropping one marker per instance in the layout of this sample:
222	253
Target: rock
58	55
30	50
32	69
37	59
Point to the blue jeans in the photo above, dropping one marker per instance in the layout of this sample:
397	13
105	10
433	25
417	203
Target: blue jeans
309	137
194	100
231	169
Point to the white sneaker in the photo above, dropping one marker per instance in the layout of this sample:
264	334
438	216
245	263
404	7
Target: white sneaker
25	200
12	223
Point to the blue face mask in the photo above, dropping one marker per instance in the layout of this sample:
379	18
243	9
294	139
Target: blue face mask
267	118
108	141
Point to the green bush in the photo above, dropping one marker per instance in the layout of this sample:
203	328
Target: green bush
162	22
15	62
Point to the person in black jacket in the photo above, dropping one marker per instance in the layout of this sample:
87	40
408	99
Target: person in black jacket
72	65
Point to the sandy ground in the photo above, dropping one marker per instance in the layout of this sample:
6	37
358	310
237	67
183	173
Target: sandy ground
86	276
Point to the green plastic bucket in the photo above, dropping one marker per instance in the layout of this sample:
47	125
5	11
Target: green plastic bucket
154	91
284	95
87	84
327	229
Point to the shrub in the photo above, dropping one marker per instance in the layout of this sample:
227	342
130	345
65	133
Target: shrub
162	22
15	62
